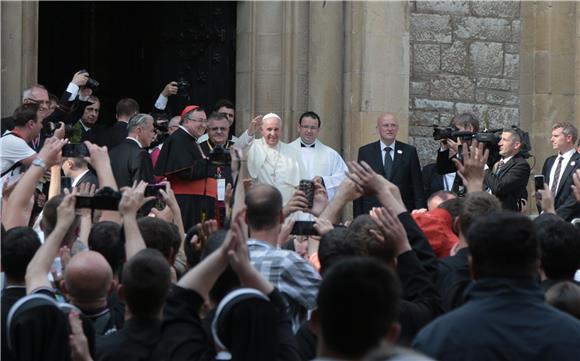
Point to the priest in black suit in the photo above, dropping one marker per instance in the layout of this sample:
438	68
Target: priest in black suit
129	160
396	161
558	170
508	178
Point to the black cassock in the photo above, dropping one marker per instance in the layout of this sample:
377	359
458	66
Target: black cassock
182	161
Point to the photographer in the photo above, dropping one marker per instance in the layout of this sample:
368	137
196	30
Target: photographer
462	129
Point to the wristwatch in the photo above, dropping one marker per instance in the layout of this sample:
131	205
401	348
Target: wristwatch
39	163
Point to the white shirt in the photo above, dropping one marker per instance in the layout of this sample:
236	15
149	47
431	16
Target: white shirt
78	178
567	156
136	141
322	161
13	149
384	152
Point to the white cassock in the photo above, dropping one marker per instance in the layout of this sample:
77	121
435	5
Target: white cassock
322	161
280	167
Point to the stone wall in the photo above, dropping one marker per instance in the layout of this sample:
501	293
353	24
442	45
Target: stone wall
464	58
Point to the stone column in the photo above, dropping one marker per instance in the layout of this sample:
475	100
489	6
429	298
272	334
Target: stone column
19	51
376	75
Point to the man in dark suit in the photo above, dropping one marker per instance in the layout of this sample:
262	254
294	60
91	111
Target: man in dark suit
113	135
396	161
508	178
129	160
78	170
558	170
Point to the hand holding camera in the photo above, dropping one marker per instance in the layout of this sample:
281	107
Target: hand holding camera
170	89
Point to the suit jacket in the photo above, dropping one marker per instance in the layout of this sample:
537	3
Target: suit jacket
564	201
432	180
89	177
131	163
406	175
509	186
109	136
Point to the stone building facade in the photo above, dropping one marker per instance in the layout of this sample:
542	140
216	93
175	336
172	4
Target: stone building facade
464	58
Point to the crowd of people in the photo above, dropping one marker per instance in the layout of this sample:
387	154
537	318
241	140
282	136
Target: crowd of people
163	236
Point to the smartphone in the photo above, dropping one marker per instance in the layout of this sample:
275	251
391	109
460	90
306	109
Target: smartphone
539	182
304	228
152	190
105	202
307	186
78	150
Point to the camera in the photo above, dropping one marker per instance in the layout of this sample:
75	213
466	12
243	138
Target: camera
183	87
220	156
488	136
91	83
49	127
105	198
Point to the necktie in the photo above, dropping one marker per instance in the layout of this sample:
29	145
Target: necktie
554	186
499	166
307	146
388	163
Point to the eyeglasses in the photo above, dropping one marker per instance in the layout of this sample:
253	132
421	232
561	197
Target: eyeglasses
309	127
198	120
221	129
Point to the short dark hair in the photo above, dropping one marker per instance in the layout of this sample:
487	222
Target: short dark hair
25	113
559	246
159	235
503	245
360	232
474	206
19	245
217	116
127	107
310	114
229	279
335	246
146	281
565	296
223	103
264	204
358	301
107	238
465	120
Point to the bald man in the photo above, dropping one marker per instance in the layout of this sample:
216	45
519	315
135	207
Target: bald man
396	161
271	161
88	279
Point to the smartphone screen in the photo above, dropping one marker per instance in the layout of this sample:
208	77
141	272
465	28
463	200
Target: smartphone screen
304	228
539	182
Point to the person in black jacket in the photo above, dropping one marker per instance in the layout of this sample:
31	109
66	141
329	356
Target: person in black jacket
146	281
508	178
129	160
505	316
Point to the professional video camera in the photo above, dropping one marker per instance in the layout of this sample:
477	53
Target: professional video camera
489	137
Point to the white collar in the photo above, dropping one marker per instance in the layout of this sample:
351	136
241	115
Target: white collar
78	178
507	159
187	131
383	145
566	155
83	125
138	142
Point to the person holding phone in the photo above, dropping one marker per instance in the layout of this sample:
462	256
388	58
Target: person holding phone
508	178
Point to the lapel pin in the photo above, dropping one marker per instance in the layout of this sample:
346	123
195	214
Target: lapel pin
399	151
572	163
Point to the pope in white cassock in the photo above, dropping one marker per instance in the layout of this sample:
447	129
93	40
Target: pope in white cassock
273	162
320	161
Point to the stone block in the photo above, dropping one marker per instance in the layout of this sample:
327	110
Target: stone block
498	116
486	29
515	85
420	131
454	57
419	118
426	149
516	31
494	83
431	28
445	118
499	9
426	58
454	87
443	7
486	58
420	88
430	104
511	66
511	48
501	98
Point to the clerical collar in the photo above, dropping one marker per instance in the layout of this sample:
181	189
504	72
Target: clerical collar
211	146
304	145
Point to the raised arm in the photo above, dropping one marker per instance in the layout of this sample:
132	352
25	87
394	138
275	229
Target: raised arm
133	199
